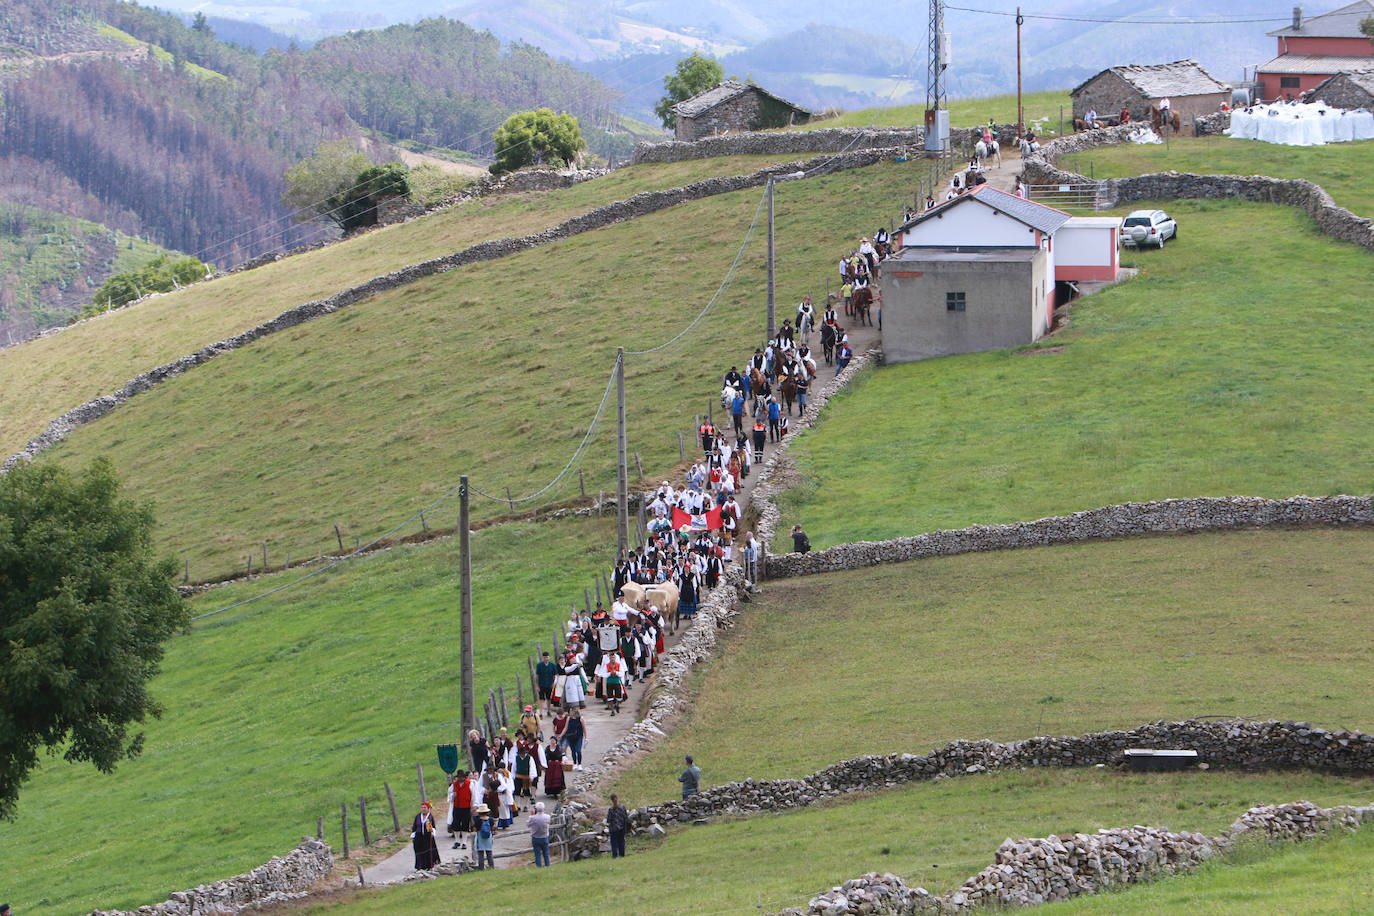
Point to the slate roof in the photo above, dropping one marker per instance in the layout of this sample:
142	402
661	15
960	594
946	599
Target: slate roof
1341	23
1037	216
1362	78
1180	78
703	102
1315	63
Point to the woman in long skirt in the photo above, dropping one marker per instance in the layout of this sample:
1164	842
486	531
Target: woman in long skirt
422	840
553	775
574	690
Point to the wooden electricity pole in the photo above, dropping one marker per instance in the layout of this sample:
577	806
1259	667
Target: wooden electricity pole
772	321
467	695
622	466
1020	114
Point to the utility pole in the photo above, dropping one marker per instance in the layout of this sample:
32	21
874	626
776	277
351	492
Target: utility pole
772	319
1020	115
937	51
622	467
467	696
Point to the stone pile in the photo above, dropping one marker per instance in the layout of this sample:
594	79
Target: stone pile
620	211
281	879
1028	872
1127	520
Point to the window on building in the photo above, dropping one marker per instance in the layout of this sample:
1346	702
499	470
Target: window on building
954	302
1290	82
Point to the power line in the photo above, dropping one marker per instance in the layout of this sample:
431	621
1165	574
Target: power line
965	9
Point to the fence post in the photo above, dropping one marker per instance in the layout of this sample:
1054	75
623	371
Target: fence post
423	526
501	698
391	800
581	484
587	597
640	468
534	682
264	556
607	582
597	582
600	499
340	537
343	826
250	564
362	816
510	500
319	827
681	449
187	577
558	641
520	694
420	775
288	561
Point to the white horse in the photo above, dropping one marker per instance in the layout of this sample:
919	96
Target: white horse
982	151
1027	147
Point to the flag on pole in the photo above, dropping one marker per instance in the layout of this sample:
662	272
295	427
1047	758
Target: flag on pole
706	521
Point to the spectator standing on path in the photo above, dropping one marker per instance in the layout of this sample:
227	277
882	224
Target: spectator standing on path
539	835
749	555
737	411
843	353
422	839
800	542
803	382
774	413
690	779
618	822
545	672
482	838
477	750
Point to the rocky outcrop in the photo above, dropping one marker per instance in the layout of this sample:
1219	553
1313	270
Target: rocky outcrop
1128	520
1028	872
281	879
620	211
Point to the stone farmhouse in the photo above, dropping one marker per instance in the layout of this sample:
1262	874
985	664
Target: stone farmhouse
1192	91
1313	50
734	107
1352	89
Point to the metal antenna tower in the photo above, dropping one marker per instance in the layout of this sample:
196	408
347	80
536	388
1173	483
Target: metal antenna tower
937	56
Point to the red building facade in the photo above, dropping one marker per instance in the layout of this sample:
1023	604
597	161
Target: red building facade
1311	51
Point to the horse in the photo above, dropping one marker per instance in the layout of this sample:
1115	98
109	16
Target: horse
982	151
789	391
828	342
863	302
1159	119
756	379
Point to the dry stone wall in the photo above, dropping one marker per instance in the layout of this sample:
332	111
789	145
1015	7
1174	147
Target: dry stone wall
1128	520
620	211
1028	872
281	879
1312	199
822	140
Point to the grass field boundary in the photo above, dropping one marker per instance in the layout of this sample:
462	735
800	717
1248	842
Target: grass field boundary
1028	872
1168	516
639	205
1332	219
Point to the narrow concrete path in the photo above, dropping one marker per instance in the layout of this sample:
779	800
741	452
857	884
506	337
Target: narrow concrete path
603	729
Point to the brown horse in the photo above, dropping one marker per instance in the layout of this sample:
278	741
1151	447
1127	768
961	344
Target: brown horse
1158	120
863	302
789	391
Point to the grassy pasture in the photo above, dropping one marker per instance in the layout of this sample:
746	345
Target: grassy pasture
360	418
1341	168
44	378
280	710
1049	641
971	112
1214	372
776	861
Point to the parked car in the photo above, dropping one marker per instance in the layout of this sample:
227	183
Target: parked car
1148	227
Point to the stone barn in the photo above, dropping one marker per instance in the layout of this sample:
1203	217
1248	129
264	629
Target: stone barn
1354	89
1191	91
734	107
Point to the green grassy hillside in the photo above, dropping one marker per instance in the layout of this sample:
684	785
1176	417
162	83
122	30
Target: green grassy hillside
1040	107
768	862
494	371
1213	373
1049	641
280	710
45	378
1341	168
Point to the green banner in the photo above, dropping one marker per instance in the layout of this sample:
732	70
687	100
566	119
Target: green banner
448	758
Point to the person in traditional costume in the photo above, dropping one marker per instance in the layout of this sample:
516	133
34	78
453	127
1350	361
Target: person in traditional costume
505	790
460	814
574	687
524	766
422	839
574	736
483	828
554	782
614	681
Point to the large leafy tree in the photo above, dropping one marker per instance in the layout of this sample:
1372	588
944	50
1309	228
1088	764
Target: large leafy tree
537	137
340	184
84	612
694	74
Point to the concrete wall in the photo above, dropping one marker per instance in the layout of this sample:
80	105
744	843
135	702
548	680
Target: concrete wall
968	223
1085	248
1271	84
1004	306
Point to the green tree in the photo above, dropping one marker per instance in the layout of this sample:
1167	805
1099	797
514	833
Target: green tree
694	74
537	137
340	184
1367	27
86	611
160	275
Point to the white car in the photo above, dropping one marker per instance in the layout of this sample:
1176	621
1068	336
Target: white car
1148	227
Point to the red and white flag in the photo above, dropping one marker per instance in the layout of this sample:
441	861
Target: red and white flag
707	521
